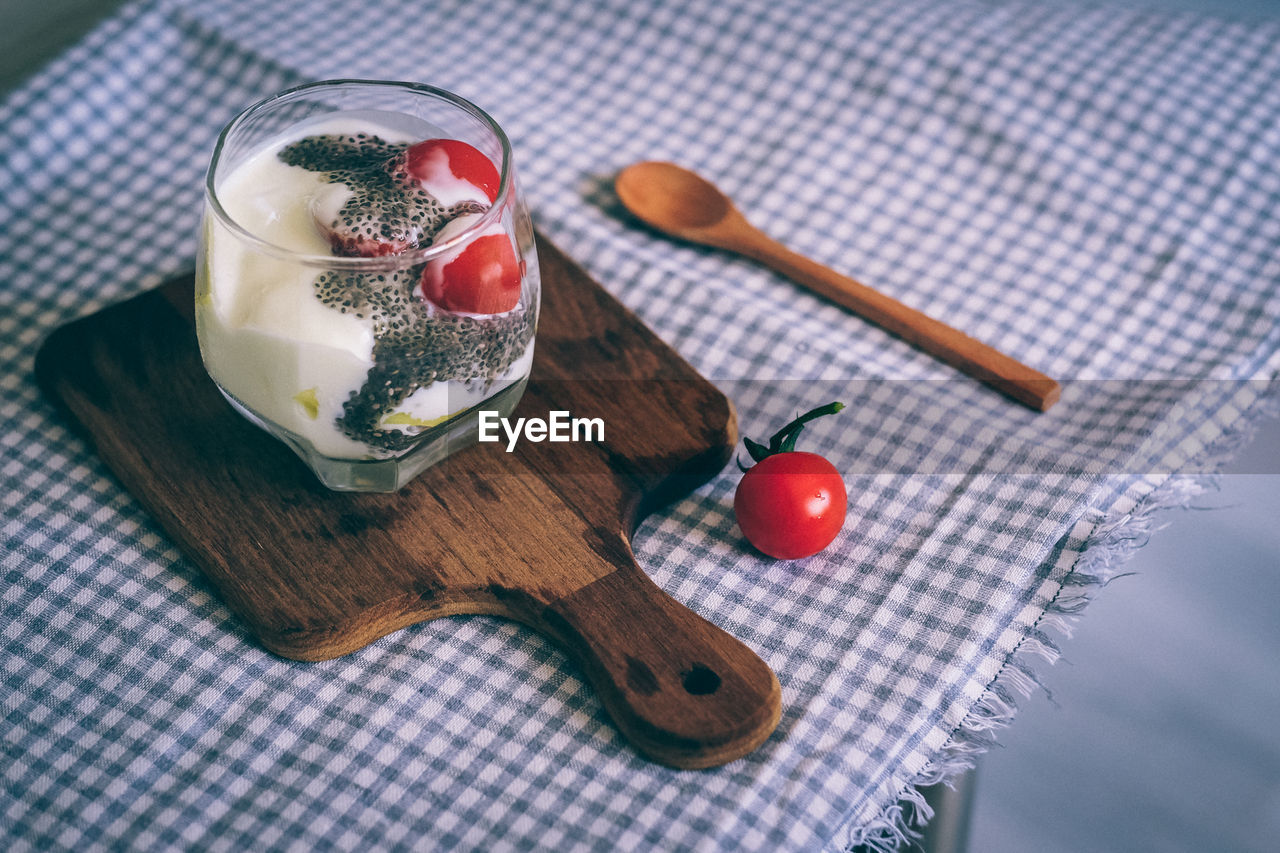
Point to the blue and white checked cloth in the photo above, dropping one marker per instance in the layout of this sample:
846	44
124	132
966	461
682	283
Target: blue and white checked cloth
1095	192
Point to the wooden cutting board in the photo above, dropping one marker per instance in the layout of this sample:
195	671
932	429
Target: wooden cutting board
540	535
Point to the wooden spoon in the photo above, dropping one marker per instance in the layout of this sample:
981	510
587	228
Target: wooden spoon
686	206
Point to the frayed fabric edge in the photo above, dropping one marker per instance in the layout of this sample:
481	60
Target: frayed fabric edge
1109	544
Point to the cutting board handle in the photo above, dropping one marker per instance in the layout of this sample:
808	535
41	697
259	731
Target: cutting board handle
684	692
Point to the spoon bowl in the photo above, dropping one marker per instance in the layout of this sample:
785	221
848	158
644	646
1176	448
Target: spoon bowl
671	198
685	205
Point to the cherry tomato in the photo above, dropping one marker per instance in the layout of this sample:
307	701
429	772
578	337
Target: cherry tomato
484	278
790	504
348	238
346	245
433	161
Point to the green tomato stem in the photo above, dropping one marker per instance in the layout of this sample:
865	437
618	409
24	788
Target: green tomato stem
784	440
789	432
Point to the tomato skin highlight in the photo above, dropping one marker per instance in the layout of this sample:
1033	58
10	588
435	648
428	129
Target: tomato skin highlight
791	505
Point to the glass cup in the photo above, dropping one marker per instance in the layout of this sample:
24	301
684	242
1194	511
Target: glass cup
366	286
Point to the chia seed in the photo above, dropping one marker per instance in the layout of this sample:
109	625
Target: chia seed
415	344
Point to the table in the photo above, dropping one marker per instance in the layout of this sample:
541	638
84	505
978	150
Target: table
1088	190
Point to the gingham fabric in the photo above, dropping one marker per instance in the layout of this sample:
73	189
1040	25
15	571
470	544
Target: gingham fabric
1093	191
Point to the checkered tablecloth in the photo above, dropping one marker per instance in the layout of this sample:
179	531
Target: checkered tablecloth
1094	191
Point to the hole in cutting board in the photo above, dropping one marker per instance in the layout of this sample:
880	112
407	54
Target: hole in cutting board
701	681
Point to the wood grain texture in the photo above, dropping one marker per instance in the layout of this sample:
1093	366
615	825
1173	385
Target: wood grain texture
541	535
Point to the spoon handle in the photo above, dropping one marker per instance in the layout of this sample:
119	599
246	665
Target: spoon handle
971	356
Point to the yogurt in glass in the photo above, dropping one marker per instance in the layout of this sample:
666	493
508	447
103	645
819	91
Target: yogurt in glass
368	280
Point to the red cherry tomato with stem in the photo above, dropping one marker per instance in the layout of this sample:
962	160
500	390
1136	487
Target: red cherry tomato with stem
791	503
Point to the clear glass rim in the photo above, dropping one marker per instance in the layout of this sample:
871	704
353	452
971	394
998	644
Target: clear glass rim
402	260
